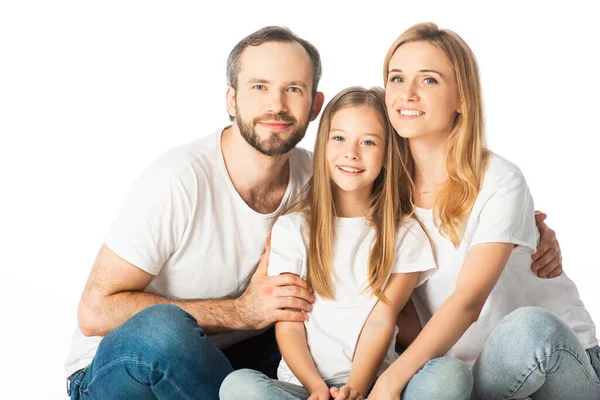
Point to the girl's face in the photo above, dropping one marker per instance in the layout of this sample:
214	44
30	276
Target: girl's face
356	149
421	93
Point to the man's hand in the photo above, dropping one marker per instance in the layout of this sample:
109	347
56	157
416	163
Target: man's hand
547	258
345	393
273	298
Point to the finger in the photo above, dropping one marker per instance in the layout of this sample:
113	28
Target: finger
547	242
344	393
290	315
295	291
557	271
334	390
295	303
268	243
263	266
540	217
550	266
544	260
354	395
289	280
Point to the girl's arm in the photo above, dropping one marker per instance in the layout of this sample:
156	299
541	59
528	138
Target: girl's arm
378	331
291	338
479	273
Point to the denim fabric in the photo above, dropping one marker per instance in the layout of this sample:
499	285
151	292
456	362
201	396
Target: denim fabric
534	354
161	353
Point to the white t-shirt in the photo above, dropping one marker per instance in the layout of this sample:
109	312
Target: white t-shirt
184	222
504	213
334	326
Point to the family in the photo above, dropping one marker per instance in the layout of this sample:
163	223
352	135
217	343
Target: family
401	259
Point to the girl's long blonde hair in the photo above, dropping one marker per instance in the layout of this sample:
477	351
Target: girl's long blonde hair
466	151
317	205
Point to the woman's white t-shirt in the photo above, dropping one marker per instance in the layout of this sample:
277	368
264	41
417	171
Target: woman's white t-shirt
504	213
334	326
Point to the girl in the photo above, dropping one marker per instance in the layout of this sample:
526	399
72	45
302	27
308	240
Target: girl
343	238
478	212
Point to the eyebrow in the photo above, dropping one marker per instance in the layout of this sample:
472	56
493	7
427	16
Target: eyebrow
364	134
421	70
290	83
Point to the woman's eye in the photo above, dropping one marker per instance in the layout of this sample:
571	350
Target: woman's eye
430	81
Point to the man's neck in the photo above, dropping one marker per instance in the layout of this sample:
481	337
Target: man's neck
259	179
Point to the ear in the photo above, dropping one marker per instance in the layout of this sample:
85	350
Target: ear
230	100
317	105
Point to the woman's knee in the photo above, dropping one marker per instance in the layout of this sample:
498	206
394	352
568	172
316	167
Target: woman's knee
531	325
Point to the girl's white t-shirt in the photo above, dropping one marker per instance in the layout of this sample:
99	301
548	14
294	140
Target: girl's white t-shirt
504	213
334	326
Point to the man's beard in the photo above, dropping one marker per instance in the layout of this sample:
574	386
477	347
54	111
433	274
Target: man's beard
274	145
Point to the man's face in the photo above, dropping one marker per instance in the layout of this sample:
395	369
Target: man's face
272	103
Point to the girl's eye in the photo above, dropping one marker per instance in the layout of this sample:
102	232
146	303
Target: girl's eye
369	143
338	138
430	81
397	79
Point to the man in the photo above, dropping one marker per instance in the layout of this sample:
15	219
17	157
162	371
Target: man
175	299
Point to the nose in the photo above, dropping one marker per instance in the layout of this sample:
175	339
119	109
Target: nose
352	152
409	92
277	102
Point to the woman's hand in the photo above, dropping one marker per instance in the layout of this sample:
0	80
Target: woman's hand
385	390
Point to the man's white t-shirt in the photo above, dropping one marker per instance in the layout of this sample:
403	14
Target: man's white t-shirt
184	222
334	326
504	213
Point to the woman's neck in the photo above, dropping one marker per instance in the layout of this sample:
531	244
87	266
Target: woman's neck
430	170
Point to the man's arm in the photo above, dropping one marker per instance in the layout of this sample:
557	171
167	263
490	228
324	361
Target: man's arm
115	288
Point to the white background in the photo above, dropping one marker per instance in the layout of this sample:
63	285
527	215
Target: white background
91	93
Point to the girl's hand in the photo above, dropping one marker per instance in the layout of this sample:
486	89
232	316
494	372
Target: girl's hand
322	393
384	390
345	393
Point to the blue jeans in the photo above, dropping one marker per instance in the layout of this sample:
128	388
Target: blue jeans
440	379
534	354
162	353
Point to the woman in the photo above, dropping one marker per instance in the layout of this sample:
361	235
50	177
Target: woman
478	213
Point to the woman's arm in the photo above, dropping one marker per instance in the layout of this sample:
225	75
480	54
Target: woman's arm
291	338
378	331
479	273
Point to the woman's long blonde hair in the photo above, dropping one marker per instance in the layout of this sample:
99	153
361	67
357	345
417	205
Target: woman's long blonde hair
317	205
466	151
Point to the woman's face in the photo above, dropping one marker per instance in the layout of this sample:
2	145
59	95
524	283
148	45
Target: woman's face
421	92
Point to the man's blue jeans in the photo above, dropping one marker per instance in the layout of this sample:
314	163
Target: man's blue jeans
161	352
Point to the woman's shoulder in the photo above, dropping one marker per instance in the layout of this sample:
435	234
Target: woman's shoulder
501	171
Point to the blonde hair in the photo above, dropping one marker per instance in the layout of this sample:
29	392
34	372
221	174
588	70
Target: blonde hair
466	151
317	205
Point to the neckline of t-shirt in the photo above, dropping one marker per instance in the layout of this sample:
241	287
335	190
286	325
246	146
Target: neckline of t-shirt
352	221
424	212
235	193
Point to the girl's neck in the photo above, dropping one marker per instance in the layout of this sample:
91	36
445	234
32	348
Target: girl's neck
351	204
430	170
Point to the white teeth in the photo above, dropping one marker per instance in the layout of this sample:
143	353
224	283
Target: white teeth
411	113
348	169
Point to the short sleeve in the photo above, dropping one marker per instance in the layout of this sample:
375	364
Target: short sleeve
288	252
154	216
508	215
414	252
